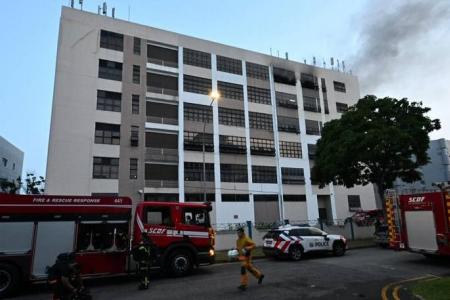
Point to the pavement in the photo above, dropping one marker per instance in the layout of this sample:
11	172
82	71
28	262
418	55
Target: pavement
365	273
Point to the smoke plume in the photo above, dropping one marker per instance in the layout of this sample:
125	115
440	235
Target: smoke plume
397	34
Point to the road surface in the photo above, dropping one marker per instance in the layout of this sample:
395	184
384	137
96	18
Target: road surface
360	274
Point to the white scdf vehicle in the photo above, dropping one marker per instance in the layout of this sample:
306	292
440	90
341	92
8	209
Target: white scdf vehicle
294	241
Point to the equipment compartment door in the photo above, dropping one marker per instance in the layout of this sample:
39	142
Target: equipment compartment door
52	238
421	230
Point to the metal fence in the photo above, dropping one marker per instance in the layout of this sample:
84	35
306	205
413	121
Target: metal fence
226	232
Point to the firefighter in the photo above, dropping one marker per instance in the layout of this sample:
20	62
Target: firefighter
142	255
64	277
245	246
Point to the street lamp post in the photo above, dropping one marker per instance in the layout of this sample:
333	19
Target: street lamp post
214	95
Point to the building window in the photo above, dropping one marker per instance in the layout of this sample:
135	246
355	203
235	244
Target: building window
136	74
233	173
196	58
161	113
264	174
290	149
257	71
198	113
325	104
163	56
341	107
324	85
235	198
14	166
232	144
137	46
107	134
294	198
292	176
309	81
231	117
312	151
197	85
229	65
260	121
354	202
339	86
193	171
109	70
258	95
109	101
265	198
162	84
194	141
111	40
161	197
286	100
313	127
161	175
311	104
106	168
135	104
133	168
284	76
134	139
230	90
288	124
5	162
198	197
262	147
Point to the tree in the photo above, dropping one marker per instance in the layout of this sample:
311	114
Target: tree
375	141
32	186
10	187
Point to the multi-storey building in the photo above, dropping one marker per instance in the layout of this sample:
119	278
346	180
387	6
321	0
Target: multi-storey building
132	116
11	161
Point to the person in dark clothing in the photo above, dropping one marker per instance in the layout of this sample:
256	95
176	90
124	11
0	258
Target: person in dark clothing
142	254
65	279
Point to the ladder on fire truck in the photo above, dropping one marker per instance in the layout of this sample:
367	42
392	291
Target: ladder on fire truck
393	220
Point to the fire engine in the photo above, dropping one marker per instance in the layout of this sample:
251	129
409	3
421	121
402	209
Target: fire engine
419	222
34	229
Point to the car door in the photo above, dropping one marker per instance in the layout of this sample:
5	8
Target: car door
321	242
307	240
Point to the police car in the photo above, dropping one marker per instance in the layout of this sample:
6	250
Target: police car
294	241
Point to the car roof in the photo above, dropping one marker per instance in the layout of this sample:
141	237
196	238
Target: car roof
290	227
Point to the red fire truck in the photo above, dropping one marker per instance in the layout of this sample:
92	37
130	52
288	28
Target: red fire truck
419	222
34	229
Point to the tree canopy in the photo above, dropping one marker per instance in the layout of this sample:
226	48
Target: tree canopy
33	185
375	141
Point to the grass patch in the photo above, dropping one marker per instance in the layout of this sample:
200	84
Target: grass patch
435	289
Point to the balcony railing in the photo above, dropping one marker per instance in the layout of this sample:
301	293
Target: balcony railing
164	91
162	120
311	107
312	131
161	154
162	183
161	62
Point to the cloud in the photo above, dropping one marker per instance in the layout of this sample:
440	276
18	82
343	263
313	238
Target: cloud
403	52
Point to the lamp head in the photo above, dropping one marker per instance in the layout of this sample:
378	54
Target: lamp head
215	95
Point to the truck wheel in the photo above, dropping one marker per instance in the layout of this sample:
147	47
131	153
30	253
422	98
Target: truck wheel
180	263
338	249
295	253
9	279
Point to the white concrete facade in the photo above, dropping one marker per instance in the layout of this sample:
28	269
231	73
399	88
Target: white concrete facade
72	146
